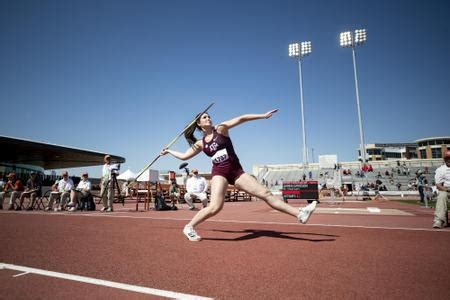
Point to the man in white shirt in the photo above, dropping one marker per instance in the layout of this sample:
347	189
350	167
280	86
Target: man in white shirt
82	191
60	190
196	188
107	188
442	178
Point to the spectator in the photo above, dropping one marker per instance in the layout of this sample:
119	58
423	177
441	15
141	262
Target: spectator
420	183
174	192
60	191
82	191
13	187
33	189
107	186
442	178
196	187
399	185
310	175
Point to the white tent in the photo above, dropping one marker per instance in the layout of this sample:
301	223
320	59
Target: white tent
149	175
127	175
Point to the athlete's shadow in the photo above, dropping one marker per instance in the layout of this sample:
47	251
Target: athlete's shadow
250	234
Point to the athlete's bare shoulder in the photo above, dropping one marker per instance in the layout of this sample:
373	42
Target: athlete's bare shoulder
222	129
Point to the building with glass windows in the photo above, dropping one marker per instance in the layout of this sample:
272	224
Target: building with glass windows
390	151
433	147
427	148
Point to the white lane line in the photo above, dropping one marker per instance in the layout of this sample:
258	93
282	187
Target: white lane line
240	221
17	275
374	209
112	284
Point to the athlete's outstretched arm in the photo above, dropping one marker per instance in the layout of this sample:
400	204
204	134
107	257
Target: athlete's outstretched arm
245	118
191	152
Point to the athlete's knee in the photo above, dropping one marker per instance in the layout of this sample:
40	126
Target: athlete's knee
214	209
265	195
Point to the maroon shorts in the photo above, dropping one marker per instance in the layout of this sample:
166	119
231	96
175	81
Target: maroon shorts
231	174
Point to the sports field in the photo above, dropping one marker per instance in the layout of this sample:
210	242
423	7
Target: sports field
348	250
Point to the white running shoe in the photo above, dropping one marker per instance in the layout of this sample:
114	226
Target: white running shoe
306	212
191	234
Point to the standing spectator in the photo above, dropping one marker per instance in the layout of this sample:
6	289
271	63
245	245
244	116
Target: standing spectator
399	186
420	183
442	178
13	187
82	191
107	186
196	188
60	191
33	190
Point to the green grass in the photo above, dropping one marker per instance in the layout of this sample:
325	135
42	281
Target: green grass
431	204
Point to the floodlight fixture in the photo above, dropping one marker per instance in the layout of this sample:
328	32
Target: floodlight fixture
360	36
294	50
299	50
352	39
306	48
346	39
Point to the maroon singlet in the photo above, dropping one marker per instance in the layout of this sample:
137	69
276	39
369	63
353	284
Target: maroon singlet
224	159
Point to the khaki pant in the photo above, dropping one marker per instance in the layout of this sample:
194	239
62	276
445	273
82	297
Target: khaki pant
76	196
189	198
32	195
440	213
58	196
12	200
107	196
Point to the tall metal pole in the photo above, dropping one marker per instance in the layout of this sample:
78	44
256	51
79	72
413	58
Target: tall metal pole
361	131
305	154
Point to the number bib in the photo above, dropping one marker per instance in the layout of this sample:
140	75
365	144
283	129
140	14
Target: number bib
220	156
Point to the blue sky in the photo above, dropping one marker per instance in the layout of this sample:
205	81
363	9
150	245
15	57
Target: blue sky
126	76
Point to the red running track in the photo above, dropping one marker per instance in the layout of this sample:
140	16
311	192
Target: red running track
248	252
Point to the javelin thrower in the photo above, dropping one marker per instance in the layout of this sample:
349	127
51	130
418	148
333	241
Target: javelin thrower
226	169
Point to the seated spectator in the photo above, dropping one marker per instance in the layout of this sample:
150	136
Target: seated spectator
386	173
60	191
33	189
13	188
196	188
174	192
82	191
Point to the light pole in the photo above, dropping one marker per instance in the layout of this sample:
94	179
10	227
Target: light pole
298	51
350	39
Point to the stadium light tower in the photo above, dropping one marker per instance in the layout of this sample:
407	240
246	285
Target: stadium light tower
349	39
299	51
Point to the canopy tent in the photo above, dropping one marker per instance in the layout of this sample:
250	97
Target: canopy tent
149	175
127	175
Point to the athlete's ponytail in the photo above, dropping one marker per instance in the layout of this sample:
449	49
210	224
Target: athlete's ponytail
189	133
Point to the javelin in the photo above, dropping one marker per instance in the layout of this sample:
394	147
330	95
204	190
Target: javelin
174	140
